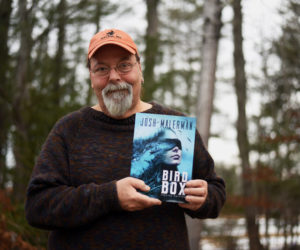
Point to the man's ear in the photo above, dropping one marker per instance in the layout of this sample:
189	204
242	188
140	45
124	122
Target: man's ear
140	66
92	85
141	72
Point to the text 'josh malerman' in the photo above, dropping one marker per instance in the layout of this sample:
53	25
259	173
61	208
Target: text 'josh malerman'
165	123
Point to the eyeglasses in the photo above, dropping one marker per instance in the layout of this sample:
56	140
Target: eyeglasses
122	68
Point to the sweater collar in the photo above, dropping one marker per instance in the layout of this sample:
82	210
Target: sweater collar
98	117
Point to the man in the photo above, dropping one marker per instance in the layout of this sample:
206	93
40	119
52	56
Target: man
80	187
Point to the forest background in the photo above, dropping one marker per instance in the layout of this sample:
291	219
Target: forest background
196	58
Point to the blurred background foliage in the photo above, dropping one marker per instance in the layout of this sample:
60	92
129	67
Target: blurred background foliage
43	77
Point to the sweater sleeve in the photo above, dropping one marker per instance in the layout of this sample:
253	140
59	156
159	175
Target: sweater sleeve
52	201
204	169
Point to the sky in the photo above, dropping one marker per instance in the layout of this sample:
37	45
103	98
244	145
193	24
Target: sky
261	23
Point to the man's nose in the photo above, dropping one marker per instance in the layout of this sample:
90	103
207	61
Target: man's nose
114	75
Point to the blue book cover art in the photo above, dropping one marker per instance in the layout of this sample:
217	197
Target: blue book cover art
163	150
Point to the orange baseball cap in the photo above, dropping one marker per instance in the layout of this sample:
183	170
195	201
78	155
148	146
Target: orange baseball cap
111	36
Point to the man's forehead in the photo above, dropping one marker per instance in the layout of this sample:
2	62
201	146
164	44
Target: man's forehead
111	48
112	52
99	59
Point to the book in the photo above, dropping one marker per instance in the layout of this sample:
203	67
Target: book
163	151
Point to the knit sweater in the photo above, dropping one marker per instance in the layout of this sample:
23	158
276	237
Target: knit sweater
72	191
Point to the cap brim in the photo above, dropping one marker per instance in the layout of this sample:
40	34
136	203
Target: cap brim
128	48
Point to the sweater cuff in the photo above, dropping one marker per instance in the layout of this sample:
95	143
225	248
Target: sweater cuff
109	197
115	194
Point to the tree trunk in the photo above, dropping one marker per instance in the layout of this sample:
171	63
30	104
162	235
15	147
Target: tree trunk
267	236
242	137
20	100
211	34
5	12
58	62
151	50
96	20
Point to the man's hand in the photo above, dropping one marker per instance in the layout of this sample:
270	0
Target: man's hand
196	194
130	199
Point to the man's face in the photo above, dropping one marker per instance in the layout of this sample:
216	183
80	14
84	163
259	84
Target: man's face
117	93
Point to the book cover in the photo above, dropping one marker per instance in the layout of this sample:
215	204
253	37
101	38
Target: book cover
163	150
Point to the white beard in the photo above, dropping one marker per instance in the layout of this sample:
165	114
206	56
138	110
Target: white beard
117	98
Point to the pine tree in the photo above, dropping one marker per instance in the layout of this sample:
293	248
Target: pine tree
5	93
240	83
278	126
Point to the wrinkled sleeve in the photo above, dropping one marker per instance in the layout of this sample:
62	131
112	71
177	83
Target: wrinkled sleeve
52	201
204	169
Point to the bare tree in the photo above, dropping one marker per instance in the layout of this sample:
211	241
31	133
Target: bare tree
61	38
240	84
21	97
151	50
5	13
212	11
211	34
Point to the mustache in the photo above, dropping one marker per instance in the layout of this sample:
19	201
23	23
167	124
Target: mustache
110	87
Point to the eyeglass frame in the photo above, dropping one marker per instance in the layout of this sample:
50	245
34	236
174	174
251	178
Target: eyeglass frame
88	65
117	69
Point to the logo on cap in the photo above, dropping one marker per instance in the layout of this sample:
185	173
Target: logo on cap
111	33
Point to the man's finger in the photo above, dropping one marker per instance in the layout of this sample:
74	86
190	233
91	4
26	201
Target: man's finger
139	184
195	199
195	191
196	183
146	200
